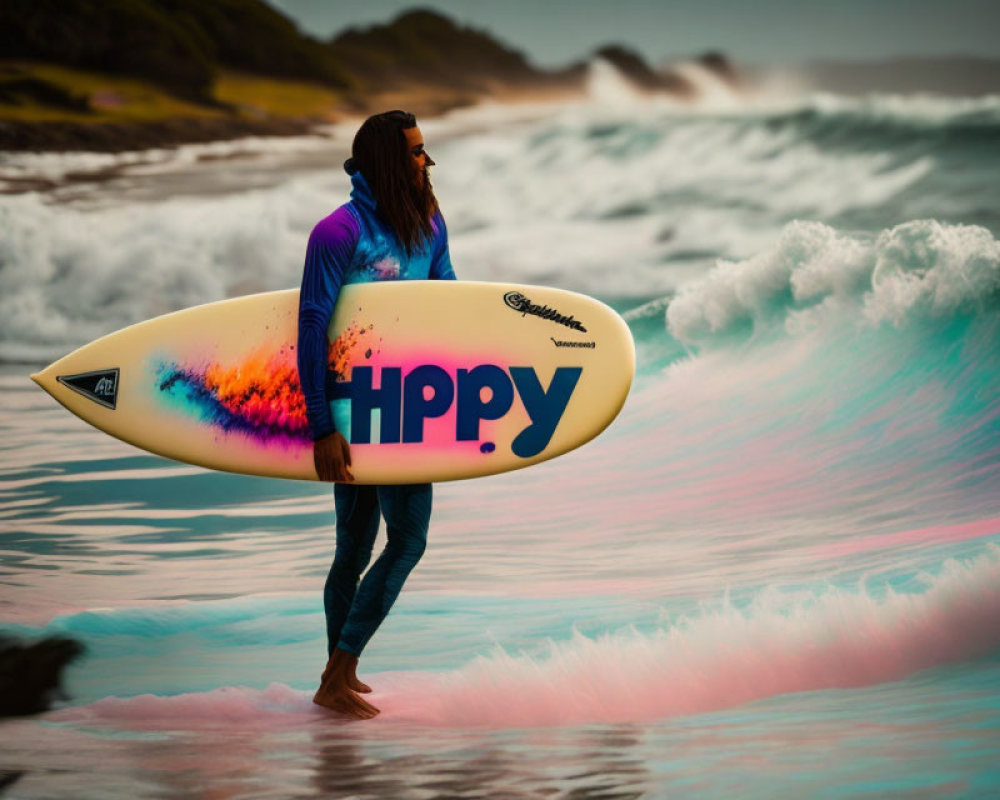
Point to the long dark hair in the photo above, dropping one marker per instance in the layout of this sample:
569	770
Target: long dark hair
381	154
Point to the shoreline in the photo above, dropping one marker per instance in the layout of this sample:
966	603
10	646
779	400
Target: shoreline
116	137
64	136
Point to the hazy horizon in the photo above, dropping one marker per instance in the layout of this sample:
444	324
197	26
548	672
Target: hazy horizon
558	32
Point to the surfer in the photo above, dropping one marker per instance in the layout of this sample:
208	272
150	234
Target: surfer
391	229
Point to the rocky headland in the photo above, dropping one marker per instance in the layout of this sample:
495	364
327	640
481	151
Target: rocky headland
133	74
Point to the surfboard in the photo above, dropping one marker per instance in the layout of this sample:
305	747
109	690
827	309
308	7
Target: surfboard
428	380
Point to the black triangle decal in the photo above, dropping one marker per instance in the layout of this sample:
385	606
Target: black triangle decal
101	386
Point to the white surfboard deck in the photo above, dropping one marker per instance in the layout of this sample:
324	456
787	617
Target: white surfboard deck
429	380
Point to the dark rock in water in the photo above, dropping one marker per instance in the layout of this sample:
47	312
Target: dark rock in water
721	66
31	674
8	778
633	67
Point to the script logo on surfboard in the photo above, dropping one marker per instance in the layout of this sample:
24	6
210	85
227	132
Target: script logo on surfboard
519	302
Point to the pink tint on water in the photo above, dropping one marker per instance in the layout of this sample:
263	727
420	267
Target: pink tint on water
718	659
935	534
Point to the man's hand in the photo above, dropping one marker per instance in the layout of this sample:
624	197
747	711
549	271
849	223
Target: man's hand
332	458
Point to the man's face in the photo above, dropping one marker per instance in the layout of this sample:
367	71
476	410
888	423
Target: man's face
421	161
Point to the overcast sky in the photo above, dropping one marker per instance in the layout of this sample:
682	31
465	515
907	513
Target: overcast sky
556	32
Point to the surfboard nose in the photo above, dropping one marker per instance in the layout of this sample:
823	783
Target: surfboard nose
44	379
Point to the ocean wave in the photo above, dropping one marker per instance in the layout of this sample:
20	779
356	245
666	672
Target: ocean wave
618	202
920	269
917	110
721	658
68	275
775	98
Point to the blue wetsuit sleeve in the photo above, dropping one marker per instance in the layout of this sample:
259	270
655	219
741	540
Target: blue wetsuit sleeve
331	247
441	269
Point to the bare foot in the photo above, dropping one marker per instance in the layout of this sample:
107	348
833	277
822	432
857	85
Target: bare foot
338	697
337	690
353	681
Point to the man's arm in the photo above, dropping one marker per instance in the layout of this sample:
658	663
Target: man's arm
441	269
331	247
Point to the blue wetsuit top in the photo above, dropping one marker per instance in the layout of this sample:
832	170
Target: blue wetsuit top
352	245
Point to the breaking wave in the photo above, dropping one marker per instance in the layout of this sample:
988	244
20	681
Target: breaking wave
920	269
719	658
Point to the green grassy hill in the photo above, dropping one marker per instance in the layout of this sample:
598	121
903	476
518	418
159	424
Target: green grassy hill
427	48
179	45
102	72
119	74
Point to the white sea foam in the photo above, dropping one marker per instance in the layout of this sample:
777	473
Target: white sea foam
712	91
910	109
61	165
932	268
606	86
920	268
69	275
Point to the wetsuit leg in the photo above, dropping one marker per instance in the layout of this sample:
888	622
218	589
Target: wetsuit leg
407	512
357	527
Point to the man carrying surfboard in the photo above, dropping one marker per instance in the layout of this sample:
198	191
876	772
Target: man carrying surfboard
391	229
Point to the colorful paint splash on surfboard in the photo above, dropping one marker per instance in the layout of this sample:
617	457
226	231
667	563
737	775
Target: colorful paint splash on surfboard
260	396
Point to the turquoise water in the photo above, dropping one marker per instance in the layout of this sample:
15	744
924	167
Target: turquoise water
776	575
